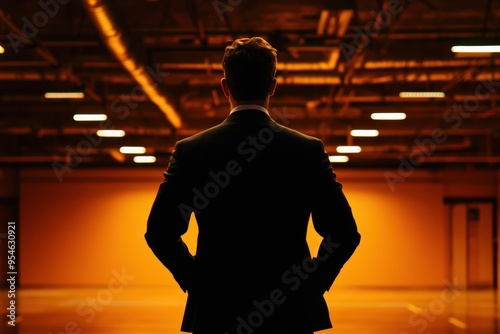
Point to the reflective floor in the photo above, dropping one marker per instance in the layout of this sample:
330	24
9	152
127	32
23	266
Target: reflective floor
159	310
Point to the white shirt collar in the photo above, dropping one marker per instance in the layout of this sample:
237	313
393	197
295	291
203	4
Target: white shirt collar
249	106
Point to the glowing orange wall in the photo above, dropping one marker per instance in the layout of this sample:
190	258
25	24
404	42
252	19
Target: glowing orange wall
91	226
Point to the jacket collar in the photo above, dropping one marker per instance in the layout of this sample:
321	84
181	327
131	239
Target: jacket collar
247	115
249	106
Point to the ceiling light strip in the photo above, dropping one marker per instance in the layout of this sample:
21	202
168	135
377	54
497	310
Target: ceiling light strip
348	149
364	133
64	95
421	95
388	116
144	159
476	49
89	117
338	158
110	133
132	149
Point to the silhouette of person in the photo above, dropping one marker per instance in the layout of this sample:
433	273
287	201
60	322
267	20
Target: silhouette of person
252	184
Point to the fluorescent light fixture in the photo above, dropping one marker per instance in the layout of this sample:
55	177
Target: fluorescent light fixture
110	133
391	116
364	133
145	159
338	158
89	117
64	95
475	48
132	149
2	50
421	95
348	149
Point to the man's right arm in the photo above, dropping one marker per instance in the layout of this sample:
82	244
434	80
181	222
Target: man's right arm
167	223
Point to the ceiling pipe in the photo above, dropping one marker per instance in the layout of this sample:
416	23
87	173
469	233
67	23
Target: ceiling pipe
50	59
463	159
328	64
313	79
147	131
436	63
46	54
118	44
39	159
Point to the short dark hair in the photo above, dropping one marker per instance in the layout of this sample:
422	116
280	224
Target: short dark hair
249	66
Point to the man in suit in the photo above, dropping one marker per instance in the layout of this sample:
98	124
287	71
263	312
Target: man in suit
253	185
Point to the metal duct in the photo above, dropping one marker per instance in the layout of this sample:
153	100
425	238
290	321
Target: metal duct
115	39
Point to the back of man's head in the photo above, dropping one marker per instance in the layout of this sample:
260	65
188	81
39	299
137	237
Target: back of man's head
249	66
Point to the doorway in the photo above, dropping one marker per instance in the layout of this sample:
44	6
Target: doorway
473	247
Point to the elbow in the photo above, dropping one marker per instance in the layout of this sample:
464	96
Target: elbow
151	240
147	237
357	239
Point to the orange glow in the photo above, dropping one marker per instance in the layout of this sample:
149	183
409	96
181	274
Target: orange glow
94	222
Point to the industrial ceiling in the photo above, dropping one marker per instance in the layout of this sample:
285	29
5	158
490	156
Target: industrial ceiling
154	67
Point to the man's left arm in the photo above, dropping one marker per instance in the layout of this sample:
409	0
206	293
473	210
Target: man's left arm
333	220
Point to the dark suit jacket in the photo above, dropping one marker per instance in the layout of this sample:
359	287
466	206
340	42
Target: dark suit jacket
252	185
